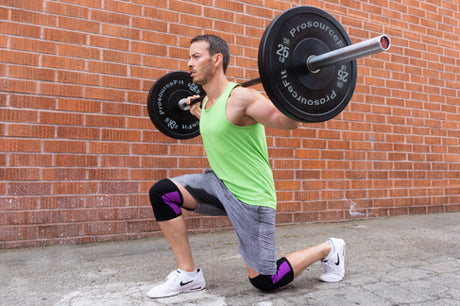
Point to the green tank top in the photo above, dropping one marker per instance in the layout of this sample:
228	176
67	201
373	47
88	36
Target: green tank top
238	154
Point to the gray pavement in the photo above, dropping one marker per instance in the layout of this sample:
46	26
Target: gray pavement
408	260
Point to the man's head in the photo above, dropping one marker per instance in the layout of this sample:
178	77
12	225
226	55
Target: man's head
216	45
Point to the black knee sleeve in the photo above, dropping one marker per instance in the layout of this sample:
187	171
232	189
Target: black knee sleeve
166	200
284	275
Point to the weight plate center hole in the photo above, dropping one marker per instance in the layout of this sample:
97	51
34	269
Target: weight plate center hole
182	104
178	98
305	49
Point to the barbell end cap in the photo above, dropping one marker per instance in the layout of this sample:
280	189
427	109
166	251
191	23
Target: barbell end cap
384	42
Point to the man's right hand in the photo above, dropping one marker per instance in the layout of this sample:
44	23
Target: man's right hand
195	109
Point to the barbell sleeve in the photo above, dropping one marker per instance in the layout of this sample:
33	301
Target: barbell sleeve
351	52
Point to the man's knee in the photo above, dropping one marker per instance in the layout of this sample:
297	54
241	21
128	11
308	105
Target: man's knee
284	275
166	200
263	283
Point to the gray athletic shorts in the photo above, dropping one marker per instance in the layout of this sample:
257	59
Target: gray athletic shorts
254	225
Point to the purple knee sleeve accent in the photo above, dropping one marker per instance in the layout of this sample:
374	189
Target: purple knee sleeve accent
172	199
282	271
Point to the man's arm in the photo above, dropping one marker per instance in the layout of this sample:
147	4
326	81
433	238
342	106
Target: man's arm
265	112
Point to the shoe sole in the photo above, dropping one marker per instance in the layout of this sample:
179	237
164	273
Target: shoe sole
191	290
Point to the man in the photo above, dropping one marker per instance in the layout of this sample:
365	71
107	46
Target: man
240	184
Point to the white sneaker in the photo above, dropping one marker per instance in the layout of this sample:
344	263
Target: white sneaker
333	265
176	283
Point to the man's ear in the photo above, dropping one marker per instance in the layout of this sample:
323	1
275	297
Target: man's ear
218	58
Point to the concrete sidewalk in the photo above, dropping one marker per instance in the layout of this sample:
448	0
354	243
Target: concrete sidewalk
408	260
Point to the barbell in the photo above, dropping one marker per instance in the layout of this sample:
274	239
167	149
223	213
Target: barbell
307	66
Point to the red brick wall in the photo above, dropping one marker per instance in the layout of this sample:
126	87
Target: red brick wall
78	152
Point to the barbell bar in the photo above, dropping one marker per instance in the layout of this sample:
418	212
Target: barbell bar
314	63
307	66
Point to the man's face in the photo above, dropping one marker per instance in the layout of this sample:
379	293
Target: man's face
200	62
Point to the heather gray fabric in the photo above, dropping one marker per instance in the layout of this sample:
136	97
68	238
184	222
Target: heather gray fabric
254	225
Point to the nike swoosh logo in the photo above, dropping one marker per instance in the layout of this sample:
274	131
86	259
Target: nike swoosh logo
338	260
183	284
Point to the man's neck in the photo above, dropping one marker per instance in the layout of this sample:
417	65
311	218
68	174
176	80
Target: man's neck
215	88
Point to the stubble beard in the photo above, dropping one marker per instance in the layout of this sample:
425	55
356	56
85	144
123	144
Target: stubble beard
206	75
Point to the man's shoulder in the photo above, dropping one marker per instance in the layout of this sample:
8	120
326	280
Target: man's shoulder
244	94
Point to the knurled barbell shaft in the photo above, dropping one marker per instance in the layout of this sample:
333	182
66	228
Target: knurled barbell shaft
315	62
183	106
